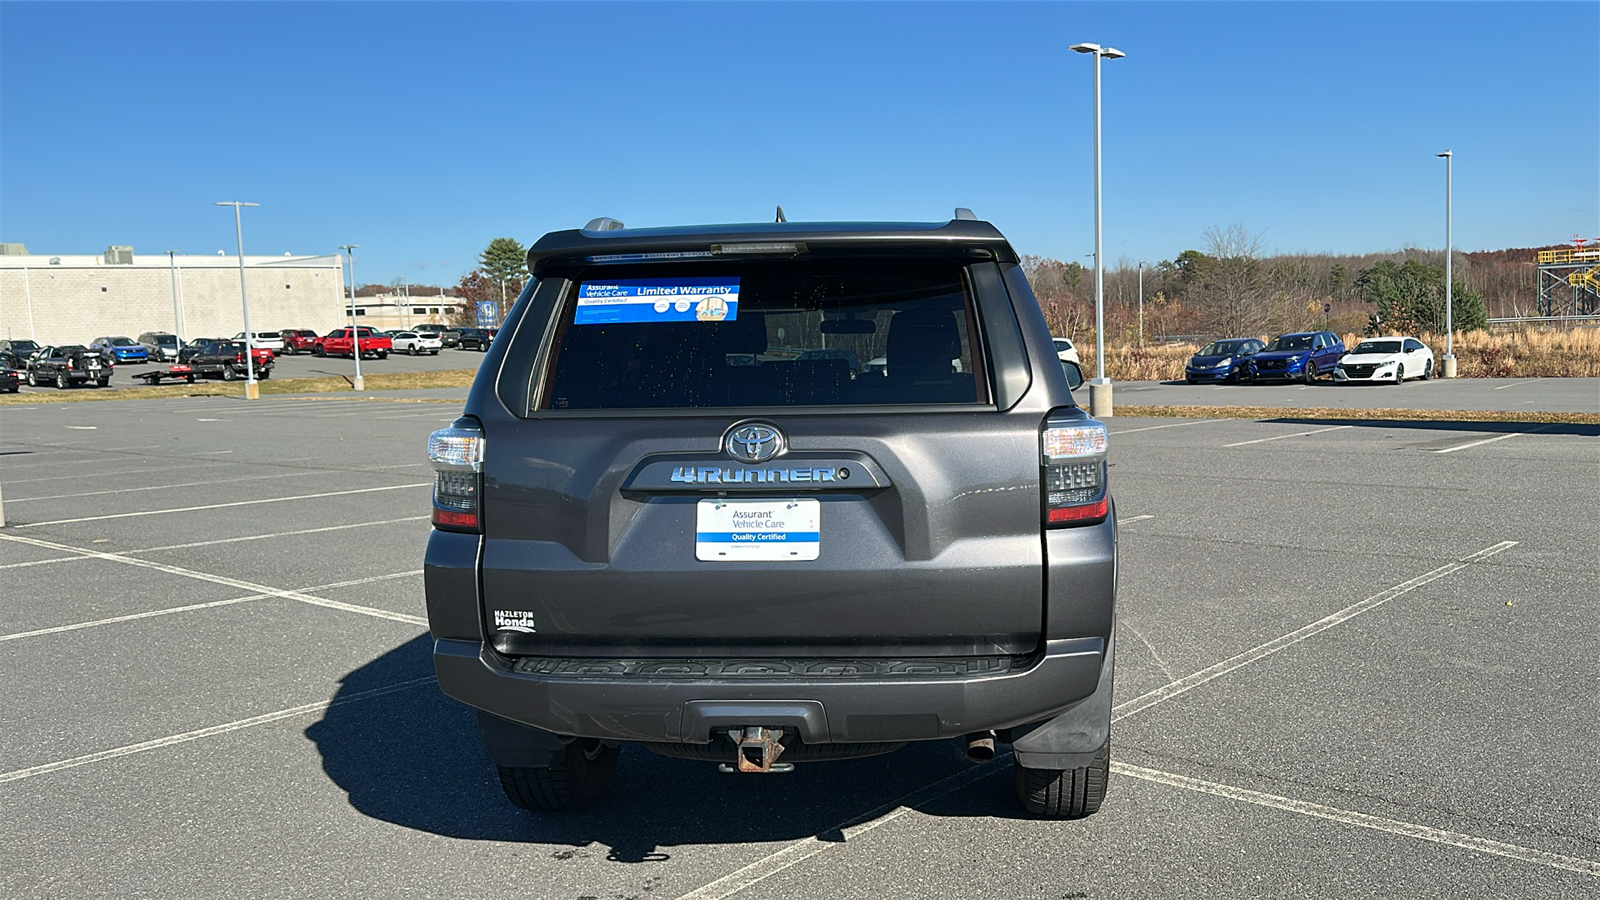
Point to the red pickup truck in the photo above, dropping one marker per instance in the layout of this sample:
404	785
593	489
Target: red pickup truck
338	342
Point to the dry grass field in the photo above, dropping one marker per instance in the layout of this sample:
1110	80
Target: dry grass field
1572	353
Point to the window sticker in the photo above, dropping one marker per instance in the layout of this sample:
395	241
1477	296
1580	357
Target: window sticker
657	300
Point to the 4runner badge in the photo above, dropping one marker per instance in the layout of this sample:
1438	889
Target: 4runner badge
755	443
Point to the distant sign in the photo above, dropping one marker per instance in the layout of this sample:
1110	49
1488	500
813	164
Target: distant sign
488	313
658	300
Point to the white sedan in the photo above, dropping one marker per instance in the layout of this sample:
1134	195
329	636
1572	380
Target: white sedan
413	343
1385	360
1065	351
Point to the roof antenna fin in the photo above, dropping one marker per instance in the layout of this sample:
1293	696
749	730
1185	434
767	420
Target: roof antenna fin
604	223
781	217
963	213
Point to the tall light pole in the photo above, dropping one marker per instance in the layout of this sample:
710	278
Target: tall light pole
177	317
1141	303
1449	300
1100	387
355	332
252	390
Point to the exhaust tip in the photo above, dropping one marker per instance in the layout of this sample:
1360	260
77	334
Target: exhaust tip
980	746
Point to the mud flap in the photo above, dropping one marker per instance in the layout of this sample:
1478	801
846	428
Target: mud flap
1071	739
514	745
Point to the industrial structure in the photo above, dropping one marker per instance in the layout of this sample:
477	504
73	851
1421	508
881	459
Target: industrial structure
76	298
1569	280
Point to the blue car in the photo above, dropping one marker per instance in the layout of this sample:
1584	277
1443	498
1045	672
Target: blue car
1221	361
121	349
1300	356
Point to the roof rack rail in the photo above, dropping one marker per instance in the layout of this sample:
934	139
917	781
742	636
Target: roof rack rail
604	223
963	213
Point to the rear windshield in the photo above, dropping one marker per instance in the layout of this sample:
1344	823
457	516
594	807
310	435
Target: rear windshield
808	333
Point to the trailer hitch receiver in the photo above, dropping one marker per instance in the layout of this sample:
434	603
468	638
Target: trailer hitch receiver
756	750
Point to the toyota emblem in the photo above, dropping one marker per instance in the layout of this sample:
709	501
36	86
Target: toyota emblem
755	443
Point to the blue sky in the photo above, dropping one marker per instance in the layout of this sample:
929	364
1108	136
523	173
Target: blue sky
420	130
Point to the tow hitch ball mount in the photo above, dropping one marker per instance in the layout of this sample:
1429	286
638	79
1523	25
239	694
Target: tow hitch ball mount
756	750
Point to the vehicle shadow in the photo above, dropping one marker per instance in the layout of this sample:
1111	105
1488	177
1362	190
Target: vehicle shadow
411	757
1457	426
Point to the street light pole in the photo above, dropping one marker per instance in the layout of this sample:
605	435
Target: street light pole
355	332
1100	387
252	390
177	319
1449	300
1141	303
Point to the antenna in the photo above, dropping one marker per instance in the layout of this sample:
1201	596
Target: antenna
781	216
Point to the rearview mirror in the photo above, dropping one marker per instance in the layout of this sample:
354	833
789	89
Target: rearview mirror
1073	373
849	325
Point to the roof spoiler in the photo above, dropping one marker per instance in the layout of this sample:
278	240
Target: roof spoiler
606	223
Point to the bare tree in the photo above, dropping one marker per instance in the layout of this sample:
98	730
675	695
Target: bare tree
1232	293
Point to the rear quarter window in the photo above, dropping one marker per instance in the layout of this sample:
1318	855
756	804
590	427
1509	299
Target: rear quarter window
796	333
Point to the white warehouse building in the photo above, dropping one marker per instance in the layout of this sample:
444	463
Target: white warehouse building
75	299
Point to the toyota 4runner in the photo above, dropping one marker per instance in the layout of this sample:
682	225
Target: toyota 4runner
665	518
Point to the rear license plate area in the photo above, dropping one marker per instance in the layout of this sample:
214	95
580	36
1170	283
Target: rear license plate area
772	530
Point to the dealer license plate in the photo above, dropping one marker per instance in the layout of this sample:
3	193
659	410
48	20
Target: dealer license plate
757	530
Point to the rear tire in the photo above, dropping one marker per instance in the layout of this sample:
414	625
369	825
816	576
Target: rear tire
264	374
104	382
578	777
61	382
1427	370
383	354
229	373
1064	793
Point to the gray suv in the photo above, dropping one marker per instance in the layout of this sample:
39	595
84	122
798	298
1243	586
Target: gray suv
666	518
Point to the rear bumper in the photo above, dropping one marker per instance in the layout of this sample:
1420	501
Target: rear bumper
823	710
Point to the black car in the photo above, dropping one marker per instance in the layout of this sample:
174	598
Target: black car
67	366
660	520
448	337
475	339
10	379
193	348
225	359
15	353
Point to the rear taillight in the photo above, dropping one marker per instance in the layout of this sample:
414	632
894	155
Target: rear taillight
1073	461
456	454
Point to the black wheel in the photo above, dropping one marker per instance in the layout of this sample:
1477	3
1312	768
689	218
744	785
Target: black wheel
191	379
1064	793
33	380
1427	370
264	374
229	373
1399	373
1311	372
412	349
104	382
61	381
383	354
433	353
318	351
578	777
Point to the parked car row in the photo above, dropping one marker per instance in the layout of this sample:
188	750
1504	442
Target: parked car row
1307	355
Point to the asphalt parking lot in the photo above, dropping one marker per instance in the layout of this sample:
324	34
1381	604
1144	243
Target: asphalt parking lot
1359	660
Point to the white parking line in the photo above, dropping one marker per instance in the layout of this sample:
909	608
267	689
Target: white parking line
149	614
1515	384
1503	437
163	487
161	512
208	732
223	580
1362	820
1190	682
807	847
1135	519
1173	425
82	475
1286	436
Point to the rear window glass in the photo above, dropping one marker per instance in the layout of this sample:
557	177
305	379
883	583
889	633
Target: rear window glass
808	333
